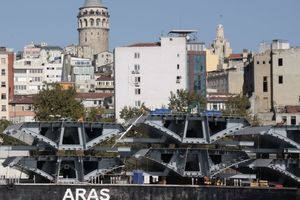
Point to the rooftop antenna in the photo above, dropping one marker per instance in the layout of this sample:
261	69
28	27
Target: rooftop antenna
220	18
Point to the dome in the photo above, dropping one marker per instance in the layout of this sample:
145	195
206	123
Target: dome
92	3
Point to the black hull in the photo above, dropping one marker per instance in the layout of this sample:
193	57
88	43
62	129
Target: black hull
151	192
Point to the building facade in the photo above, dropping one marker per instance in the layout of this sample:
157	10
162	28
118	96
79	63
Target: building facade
93	26
197	72
228	81
148	72
273	80
6	79
39	64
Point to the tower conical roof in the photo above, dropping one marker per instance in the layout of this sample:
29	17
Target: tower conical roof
92	3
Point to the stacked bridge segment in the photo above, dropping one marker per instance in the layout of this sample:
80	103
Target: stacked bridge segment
64	135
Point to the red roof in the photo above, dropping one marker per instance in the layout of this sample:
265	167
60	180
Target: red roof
153	44
105	78
94	95
22	99
235	56
293	109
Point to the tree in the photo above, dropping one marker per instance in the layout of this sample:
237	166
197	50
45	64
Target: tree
96	115
55	103
183	100
129	112
239	106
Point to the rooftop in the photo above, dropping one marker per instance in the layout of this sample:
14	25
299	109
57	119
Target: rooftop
235	56
92	3
153	44
22	99
92	95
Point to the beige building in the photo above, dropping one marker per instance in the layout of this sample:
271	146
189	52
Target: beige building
212	61
226	81
274	80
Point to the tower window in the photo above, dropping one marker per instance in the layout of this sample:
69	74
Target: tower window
280	62
98	22
280	79
92	22
265	84
85	39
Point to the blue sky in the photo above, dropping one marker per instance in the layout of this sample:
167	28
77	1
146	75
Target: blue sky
246	22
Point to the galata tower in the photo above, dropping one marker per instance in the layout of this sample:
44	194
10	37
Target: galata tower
93	26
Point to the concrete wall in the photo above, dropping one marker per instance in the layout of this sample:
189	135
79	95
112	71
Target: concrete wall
153	192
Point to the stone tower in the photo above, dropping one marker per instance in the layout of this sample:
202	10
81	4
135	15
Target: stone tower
221	46
93	26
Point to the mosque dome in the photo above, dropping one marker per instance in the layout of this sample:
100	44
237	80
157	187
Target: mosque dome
92	3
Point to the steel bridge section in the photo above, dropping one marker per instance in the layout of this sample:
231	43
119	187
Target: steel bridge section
64	135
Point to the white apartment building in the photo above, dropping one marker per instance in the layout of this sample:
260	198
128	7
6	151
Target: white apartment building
148	72
40	63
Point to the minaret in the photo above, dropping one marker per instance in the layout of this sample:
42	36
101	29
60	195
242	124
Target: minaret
93	26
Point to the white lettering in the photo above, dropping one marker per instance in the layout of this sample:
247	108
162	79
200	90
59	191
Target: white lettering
80	193
68	195
104	194
93	195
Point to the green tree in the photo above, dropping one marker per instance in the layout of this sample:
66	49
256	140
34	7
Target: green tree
239	106
55	102
129	112
94	114
183	100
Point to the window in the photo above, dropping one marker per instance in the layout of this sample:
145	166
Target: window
257	62
3	96
3	72
3	84
3	61
137	79
265	84
3	108
136	67
293	120
283	119
137	103
280	79
27	62
171	39
178	78
280	62
178	55
136	55
264	62
178	66
137	91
